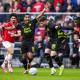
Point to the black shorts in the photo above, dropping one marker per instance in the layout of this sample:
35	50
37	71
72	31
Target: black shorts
62	47
52	45
26	47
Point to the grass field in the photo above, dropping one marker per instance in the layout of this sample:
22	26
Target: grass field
43	74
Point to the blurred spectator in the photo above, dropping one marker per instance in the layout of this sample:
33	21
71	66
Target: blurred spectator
7	5
1	7
69	8
14	5
57	2
58	8
29	2
22	6
76	4
29	5
38	6
75	55
28	9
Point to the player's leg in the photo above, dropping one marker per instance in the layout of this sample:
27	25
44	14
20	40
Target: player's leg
8	58
30	58
10	55
49	60
54	53
30	54
56	57
24	57
24	61
61	50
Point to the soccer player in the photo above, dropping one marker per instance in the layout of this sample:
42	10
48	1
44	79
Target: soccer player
10	33
27	31
43	20
57	42
55	34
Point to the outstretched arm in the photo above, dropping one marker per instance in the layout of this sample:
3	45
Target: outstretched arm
46	6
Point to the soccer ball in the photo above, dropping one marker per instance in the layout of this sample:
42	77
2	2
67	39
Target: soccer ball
33	71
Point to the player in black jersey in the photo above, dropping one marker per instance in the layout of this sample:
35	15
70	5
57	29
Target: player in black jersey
57	38
27	31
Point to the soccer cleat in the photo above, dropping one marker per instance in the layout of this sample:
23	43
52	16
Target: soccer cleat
26	72
61	70
4	68
53	71
10	68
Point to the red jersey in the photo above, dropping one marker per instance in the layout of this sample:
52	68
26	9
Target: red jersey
39	6
56	2
7	33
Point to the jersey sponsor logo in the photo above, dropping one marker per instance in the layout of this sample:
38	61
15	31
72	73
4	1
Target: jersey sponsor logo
53	46
27	30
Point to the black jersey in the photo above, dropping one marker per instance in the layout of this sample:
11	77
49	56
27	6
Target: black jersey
28	29
54	33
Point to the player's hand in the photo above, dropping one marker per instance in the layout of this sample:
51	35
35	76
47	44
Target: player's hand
47	5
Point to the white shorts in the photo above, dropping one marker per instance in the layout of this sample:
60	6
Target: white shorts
7	44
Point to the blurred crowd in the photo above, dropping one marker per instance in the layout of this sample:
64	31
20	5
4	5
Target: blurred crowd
38	5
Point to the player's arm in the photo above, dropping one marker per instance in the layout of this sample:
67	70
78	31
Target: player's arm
46	6
17	34
10	28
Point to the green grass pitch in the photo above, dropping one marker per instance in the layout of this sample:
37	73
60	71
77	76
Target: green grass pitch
43	74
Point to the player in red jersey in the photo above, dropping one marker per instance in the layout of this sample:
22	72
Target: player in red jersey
10	33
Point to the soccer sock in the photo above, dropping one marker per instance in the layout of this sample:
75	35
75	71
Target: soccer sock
5	60
58	59
49	60
30	60
9	59
24	61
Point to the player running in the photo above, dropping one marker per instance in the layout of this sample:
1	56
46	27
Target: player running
57	39
10	33
27	31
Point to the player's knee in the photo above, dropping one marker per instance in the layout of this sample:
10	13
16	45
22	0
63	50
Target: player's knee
30	55
10	50
53	53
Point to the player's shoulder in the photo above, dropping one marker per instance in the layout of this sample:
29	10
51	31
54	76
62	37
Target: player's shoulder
19	26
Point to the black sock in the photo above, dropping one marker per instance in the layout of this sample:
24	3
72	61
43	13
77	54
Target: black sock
49	60
58	60
30	60
24	61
